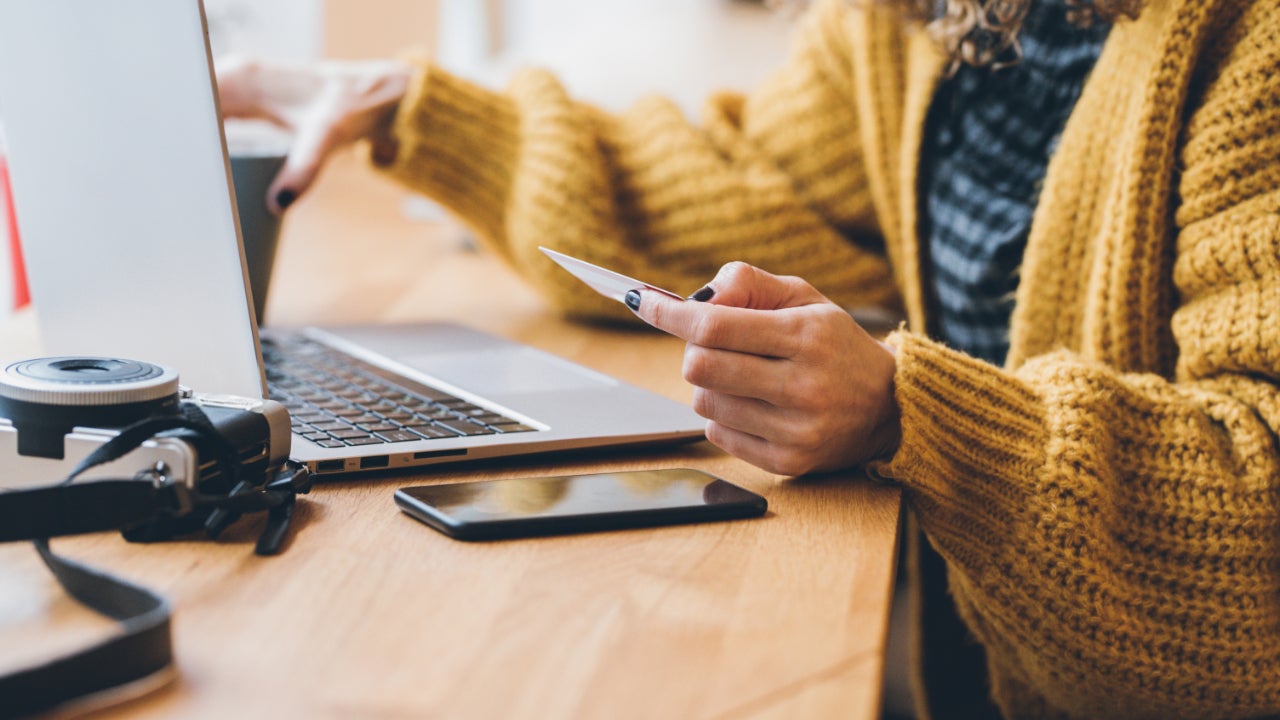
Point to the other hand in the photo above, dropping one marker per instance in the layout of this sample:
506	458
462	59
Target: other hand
787	379
326	106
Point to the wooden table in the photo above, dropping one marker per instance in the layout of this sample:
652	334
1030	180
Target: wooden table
371	614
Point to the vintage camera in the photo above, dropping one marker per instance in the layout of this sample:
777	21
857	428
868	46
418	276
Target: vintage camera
90	444
55	412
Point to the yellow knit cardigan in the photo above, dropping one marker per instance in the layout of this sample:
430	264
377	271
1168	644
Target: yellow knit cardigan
1107	504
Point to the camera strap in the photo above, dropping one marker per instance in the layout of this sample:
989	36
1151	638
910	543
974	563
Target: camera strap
84	507
143	649
71	508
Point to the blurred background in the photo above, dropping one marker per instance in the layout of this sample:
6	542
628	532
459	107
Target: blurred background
608	52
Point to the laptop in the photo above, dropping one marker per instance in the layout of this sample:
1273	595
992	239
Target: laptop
121	178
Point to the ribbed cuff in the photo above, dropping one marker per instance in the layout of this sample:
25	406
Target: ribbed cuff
455	142
960	408
972	435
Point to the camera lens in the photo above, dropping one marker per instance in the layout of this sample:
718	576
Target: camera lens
46	398
96	368
86	381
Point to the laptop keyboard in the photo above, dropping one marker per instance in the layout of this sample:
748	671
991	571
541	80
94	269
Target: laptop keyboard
338	400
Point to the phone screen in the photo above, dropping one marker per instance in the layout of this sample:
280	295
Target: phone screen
519	507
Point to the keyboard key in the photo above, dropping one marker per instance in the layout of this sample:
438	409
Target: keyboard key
417	405
465	427
322	386
430	432
437	414
394	436
351	434
512	427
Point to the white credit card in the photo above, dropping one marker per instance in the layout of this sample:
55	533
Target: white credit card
606	282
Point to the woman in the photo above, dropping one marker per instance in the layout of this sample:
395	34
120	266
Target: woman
1081	221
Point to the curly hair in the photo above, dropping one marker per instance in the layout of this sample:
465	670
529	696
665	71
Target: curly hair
985	32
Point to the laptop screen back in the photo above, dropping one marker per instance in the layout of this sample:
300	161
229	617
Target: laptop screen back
122	190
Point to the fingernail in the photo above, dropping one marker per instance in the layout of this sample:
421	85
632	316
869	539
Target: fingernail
703	295
285	198
632	299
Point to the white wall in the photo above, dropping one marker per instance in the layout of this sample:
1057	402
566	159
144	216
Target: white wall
606	51
613	51
284	29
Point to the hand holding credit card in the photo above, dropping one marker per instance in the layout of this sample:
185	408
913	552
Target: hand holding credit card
606	282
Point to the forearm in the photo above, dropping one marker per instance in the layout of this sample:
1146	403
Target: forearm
1117	529
646	191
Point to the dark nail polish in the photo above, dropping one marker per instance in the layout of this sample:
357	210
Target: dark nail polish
703	295
632	299
285	198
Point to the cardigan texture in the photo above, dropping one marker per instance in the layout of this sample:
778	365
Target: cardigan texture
1107	503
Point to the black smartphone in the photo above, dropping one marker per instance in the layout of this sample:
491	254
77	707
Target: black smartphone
521	507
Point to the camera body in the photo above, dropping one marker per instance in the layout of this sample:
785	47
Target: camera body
54	412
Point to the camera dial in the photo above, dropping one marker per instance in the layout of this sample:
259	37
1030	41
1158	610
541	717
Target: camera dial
86	381
45	398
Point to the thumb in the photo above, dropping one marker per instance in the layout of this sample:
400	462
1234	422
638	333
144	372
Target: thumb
741	285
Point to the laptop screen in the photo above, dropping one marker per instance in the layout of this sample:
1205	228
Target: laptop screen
122	189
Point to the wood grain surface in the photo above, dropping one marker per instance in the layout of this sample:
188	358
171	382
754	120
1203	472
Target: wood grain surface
371	614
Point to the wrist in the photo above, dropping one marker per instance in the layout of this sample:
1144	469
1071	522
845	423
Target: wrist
387	93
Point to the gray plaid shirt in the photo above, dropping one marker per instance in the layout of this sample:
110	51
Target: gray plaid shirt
987	145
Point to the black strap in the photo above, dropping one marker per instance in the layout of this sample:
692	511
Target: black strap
192	419
144	648
83	507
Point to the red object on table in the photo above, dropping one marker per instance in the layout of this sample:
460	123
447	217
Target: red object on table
21	293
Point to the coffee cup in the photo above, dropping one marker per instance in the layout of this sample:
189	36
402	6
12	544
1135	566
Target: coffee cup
256	157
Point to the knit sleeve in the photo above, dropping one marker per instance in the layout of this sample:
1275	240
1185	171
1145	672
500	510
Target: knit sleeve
1119	535
1113	538
773	178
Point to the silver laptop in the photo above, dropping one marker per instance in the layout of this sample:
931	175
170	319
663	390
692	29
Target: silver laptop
122	185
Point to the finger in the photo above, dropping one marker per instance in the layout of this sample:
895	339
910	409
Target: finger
312	145
738	373
252	89
769	456
789	434
234	83
742	285
757	332
744	414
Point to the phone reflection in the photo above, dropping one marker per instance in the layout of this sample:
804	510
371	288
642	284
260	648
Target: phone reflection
530	498
517	507
526	497
656	482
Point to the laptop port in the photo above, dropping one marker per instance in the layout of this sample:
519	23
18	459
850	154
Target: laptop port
438	453
330	466
376	461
